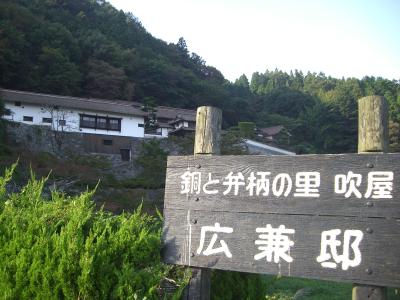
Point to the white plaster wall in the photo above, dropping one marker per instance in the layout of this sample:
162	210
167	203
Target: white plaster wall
18	113
129	124
164	132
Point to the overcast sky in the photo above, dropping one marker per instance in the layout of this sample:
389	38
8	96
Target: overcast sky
342	38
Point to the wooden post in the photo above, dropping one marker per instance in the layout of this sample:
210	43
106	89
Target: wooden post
372	124
208	131
207	142
372	137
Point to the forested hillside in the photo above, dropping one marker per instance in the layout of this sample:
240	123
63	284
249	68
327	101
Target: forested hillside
89	48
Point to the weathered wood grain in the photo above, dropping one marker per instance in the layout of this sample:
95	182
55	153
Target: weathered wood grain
377	218
361	292
208	130
328	202
207	141
373	124
380	262
373	136
199	286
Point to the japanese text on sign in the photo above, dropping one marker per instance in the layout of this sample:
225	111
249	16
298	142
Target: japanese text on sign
379	184
274	245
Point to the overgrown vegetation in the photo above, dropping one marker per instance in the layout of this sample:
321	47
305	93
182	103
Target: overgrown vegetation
285	288
63	248
152	160
247	129
227	285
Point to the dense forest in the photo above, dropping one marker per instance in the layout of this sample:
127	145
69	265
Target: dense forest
89	48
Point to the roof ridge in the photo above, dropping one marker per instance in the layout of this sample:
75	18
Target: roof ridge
175	108
116	103
98	100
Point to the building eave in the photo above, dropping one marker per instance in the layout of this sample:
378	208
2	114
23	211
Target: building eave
77	103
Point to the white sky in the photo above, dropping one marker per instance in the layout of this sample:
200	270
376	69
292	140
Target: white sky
342	38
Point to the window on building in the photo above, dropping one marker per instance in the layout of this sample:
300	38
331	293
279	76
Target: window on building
140	125
88	121
107	142
47	120
62	122
99	122
18	103
7	112
115	124
28	119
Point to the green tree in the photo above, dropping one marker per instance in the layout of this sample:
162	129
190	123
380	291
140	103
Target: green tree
231	142
105	81
247	129
243	82
89	48
394	136
153	161
182	46
57	74
149	106
287	102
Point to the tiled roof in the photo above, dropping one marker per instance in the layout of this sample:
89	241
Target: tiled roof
179	129
172	113
164	125
92	104
272	130
110	106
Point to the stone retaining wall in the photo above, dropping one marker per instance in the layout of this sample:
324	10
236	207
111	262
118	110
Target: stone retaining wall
38	138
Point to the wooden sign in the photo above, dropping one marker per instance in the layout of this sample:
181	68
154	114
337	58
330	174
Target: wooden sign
334	217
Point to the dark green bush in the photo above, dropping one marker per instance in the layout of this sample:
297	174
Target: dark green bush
153	161
62	248
247	129
235	285
142	181
98	162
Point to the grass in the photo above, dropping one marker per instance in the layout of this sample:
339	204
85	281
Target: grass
125	199
284	288
93	161
82	173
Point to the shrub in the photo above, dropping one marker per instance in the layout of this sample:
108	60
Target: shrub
63	248
247	129
236	285
153	161
232	143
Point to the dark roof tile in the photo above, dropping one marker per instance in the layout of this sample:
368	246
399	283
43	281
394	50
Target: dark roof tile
101	105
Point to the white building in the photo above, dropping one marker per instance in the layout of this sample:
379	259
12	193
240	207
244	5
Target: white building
92	116
108	126
105	126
